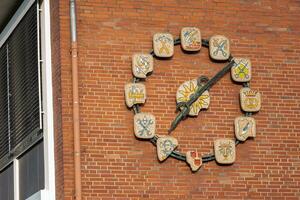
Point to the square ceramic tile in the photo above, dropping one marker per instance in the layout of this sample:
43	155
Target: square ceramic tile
144	125
244	127
135	93
190	39
163	45
224	151
241	70
142	64
165	146
194	160
250	100
219	47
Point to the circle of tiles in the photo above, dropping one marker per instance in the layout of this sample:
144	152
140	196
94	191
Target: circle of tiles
219	50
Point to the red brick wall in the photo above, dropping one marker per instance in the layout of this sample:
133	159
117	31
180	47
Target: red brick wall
56	70
115	165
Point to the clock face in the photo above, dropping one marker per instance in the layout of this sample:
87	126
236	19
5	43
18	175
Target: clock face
192	96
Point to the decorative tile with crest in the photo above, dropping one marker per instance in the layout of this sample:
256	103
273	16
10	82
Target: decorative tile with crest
250	100
194	160
135	93
144	125
224	151
163	45
219	47
241	70
244	127
165	146
190	39
142	64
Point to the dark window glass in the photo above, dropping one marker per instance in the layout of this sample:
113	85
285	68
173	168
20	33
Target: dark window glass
7	183
23	78
31	171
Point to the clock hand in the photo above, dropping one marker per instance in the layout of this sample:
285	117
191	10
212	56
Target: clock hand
186	106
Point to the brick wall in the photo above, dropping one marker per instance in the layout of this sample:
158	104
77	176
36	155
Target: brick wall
115	165
56	74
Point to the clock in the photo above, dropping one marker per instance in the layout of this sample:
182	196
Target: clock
192	96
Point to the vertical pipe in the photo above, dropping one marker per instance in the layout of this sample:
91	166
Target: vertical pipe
76	128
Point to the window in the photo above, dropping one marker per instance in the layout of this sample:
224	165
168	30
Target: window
31	171
22	168
19	87
7	183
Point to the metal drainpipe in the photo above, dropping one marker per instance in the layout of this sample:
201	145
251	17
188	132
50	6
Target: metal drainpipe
76	127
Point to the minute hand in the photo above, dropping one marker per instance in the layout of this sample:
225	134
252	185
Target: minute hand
186	108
